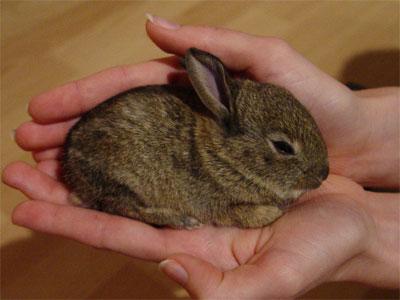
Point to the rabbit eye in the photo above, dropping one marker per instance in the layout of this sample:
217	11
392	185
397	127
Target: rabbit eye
283	147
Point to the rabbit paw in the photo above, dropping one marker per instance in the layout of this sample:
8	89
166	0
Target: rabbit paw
191	223
168	217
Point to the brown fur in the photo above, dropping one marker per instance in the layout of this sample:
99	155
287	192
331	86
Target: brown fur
159	155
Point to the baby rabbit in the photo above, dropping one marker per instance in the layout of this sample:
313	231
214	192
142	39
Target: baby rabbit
226	151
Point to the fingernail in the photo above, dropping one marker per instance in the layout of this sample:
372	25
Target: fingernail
12	134
174	271
162	22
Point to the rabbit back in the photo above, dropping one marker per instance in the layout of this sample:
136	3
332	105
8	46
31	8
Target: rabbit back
136	151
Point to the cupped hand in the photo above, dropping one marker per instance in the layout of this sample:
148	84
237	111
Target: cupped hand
358	127
329	235
310	244
349	121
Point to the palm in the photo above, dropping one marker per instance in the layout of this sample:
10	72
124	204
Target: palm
302	249
307	229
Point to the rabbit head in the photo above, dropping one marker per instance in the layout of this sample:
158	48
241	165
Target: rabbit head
267	135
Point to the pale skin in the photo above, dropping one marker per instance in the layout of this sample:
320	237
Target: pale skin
338	232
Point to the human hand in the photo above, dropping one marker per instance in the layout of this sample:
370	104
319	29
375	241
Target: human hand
351	235
54	112
361	129
339	232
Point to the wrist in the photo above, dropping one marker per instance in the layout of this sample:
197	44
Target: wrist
378	264
375	163
383	249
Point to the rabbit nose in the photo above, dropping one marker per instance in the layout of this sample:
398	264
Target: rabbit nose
323	174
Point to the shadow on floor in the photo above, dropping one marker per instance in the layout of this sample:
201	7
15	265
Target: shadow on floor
48	267
375	68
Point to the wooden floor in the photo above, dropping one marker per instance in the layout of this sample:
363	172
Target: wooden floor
45	44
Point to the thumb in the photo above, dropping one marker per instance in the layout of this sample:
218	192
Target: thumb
266	59
200	278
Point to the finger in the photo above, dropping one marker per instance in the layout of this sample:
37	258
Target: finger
226	44
48	154
34	136
200	278
91	227
34	183
74	98
268	59
231	46
379	92
236	42
50	167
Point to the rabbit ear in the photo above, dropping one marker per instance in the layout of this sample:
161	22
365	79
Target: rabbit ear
210	81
